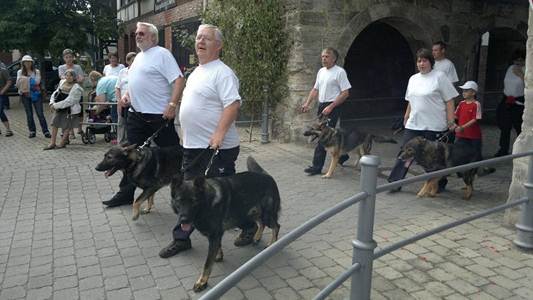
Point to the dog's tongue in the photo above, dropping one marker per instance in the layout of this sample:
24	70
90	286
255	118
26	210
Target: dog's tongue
107	173
186	227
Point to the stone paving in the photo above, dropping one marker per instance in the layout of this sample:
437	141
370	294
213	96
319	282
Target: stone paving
57	241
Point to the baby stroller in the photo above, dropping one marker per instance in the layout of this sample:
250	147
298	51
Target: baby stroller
98	123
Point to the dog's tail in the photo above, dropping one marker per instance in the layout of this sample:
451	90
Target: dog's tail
253	166
383	139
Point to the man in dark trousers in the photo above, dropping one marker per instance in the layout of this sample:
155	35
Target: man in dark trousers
332	89
155	88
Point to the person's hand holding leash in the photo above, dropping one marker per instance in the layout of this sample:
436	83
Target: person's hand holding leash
170	111
327	110
216	140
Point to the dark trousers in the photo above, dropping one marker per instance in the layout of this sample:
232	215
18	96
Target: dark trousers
140	127
319	157
471	143
509	116
3	100
38	106
401	167
195	162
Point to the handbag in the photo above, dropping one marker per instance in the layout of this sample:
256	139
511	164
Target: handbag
58	97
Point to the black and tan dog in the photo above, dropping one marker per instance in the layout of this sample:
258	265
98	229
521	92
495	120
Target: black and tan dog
435	155
215	205
149	169
343	141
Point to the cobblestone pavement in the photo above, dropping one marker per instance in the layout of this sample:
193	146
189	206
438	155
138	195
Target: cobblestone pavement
57	241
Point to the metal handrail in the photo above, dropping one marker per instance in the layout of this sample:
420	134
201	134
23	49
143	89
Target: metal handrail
364	246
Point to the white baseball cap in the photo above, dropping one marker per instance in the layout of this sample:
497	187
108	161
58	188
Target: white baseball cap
469	85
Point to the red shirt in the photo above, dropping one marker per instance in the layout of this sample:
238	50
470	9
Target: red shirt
466	112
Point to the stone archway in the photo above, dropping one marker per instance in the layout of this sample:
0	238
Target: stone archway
377	49
379	64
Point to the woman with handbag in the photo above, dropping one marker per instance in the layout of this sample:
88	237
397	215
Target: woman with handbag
65	102
31	94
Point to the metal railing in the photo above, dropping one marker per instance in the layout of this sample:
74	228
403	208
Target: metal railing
364	245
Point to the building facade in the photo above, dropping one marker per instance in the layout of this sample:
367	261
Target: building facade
377	41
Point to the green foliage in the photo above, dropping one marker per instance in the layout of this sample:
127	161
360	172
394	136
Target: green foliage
255	45
42	26
184	38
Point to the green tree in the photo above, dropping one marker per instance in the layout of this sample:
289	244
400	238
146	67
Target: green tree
49	26
255	45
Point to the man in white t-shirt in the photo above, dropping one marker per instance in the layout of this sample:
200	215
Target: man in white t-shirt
442	63
155	85
113	68
332	89
207	115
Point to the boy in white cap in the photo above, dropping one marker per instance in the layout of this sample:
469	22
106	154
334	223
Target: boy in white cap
468	112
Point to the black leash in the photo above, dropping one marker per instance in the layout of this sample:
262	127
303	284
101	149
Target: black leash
153	136
197	158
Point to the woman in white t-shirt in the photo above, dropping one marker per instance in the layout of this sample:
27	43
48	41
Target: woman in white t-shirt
511	108
120	88
430	107
114	67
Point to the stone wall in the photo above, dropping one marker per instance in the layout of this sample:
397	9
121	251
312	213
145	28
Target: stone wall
315	24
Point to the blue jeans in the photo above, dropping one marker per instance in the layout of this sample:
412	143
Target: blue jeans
3	100
38	106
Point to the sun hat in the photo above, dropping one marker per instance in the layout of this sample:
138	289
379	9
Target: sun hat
469	85
26	58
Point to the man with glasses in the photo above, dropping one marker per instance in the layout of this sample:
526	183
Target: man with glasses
155	86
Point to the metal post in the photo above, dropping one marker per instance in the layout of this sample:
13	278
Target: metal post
364	245
264	119
524	232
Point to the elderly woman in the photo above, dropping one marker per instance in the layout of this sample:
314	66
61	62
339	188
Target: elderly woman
430	107
120	88
65	102
30	91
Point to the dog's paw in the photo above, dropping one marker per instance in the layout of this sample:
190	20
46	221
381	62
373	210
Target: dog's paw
326	176
135	217
146	211
200	285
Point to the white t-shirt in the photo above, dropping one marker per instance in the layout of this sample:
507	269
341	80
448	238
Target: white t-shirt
512	84
122	82
210	88
446	66
427	94
330	83
150	78
109	70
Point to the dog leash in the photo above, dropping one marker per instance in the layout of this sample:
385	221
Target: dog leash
215	153
153	136
445	137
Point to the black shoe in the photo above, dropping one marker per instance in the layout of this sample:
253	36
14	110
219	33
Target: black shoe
31	135
343	159
312	171
246	237
175	247
395	190
309	169
118	201
47	135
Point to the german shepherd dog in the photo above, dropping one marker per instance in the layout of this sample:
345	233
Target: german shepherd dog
150	169
435	155
342	141
215	205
